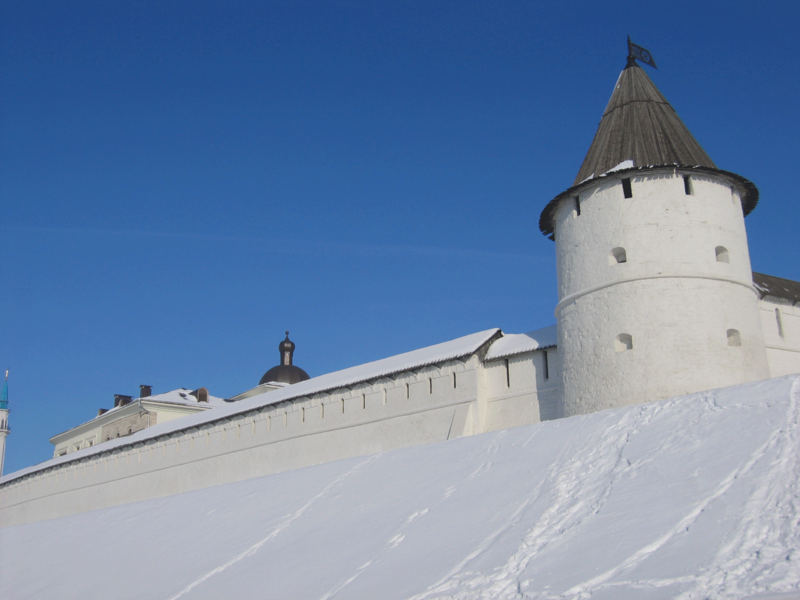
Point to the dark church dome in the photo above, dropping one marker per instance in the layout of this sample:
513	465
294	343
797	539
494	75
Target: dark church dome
285	372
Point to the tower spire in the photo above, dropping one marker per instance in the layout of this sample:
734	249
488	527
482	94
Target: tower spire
286	371
631	57
640	130
4	394
4	430
640	125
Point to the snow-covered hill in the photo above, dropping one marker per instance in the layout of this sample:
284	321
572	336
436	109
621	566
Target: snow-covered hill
693	497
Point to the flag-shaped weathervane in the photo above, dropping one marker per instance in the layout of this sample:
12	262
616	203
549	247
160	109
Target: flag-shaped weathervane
640	54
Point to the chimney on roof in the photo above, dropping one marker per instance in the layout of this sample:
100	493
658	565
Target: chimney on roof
201	394
101	411
145	391
120	400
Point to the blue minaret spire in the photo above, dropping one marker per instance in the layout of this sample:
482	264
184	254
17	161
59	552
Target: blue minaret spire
4	394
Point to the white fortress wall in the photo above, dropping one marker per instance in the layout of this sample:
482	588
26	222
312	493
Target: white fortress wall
520	394
780	321
520	378
413	408
655	291
428	404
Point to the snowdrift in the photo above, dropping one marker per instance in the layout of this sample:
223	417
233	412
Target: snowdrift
692	497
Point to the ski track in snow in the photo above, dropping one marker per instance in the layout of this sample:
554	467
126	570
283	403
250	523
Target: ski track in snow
288	520
757	545
399	536
576	498
766	542
754	545
393	542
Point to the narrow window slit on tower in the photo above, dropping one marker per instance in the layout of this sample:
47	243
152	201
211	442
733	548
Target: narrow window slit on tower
363	401
617	255
780	323
734	339
454	381
408	391
546	365
508	375
722	254
577	206
687	185
430	385
626	188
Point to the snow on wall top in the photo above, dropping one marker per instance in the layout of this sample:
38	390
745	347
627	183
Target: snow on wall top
691	497
438	353
517	343
457	348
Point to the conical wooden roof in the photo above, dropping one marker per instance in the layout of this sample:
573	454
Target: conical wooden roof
640	125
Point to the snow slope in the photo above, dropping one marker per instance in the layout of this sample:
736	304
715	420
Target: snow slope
692	497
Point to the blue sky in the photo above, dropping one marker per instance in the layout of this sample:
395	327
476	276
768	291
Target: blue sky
181	182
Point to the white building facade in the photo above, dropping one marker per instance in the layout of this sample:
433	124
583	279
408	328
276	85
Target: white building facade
132	415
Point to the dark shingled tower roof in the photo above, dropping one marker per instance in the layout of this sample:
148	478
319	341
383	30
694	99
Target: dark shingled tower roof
639	125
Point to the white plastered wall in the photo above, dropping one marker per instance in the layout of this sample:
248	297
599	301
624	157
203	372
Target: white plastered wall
519	392
672	295
780	321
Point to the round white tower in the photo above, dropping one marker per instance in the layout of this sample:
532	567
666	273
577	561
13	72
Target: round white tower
656	295
4	430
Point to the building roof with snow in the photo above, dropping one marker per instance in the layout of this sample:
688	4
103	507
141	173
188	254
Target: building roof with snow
438	353
777	287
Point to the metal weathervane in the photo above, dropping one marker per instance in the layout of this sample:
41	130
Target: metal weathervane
640	54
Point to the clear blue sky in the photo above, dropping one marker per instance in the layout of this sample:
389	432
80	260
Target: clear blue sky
180	182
